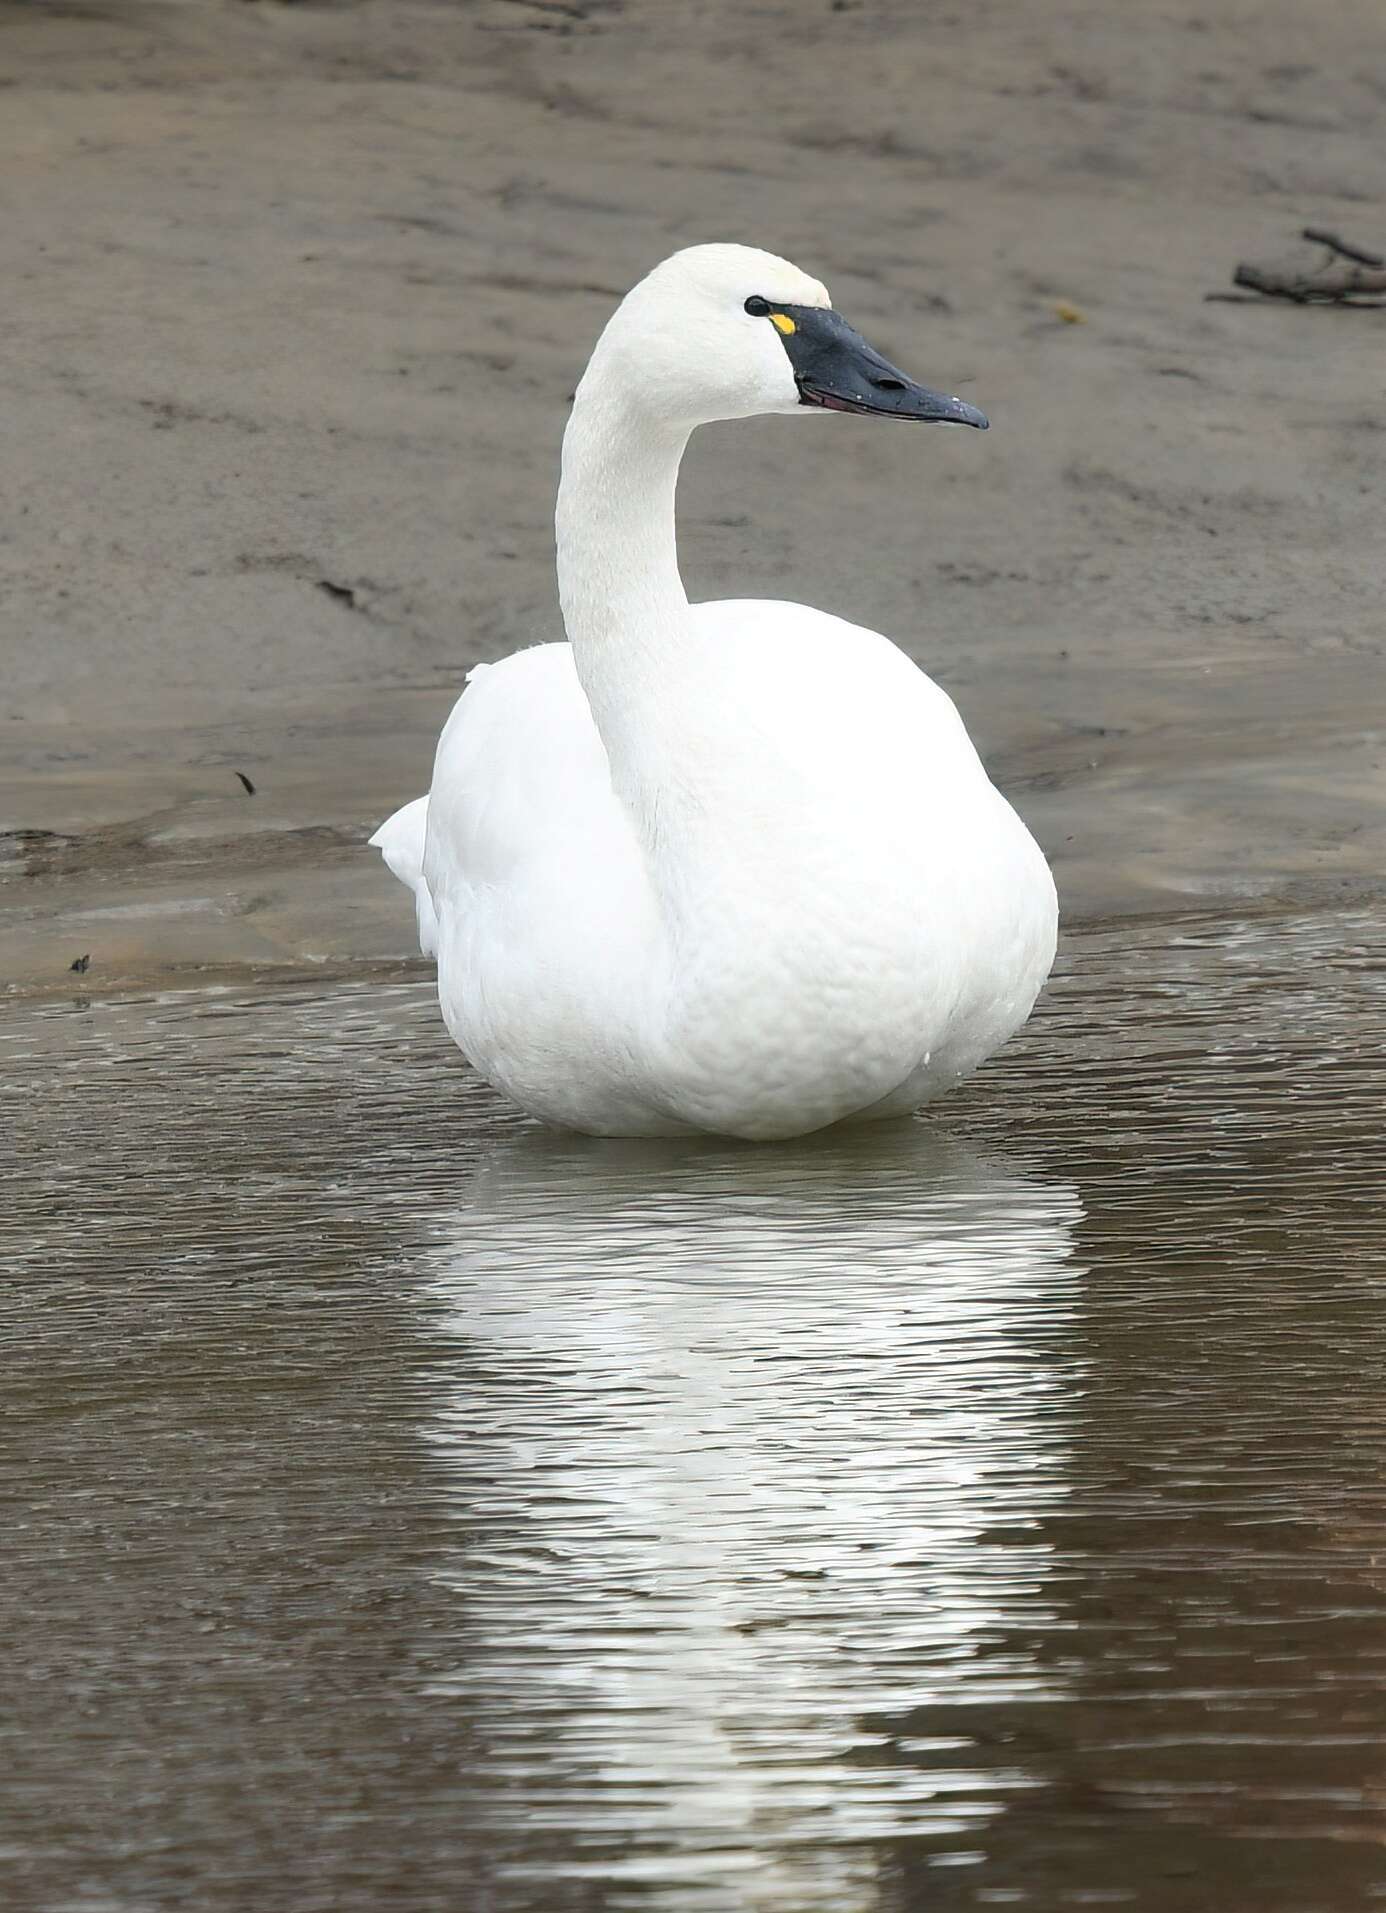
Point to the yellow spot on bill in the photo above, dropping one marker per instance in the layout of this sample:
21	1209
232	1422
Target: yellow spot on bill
784	322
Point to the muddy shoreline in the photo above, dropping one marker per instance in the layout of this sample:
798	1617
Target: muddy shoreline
301	292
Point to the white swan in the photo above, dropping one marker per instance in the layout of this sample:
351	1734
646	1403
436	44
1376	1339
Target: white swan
731	867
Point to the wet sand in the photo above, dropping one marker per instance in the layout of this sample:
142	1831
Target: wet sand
296	296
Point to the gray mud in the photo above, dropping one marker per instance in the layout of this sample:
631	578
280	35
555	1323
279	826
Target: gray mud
296	295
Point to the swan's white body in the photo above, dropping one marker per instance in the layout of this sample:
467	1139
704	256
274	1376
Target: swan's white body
731	867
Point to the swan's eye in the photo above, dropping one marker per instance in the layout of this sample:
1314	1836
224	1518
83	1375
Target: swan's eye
761	309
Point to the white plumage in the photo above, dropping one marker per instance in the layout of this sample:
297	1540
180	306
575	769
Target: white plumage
731	867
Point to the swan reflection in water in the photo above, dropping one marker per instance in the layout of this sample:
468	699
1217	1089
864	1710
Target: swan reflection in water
748	1449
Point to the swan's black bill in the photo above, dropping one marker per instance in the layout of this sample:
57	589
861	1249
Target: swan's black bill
836	369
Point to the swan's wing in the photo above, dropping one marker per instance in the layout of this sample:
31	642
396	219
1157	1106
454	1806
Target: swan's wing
520	784
843	715
400	841
520	778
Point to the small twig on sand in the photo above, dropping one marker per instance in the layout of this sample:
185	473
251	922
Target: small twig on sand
1334	244
1306	288
1345	275
1251	299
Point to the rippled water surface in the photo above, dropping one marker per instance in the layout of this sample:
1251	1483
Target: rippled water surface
407	1508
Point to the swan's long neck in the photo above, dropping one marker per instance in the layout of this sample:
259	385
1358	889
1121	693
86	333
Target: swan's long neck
623	601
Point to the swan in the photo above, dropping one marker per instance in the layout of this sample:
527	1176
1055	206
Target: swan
734	867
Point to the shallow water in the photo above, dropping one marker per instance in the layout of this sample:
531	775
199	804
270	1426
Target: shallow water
410	1508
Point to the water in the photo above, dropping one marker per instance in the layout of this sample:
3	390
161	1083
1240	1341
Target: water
408	1508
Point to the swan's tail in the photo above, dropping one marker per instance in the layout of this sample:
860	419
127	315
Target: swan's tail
400	841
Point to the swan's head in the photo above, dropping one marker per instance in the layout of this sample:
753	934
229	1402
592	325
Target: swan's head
726	332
